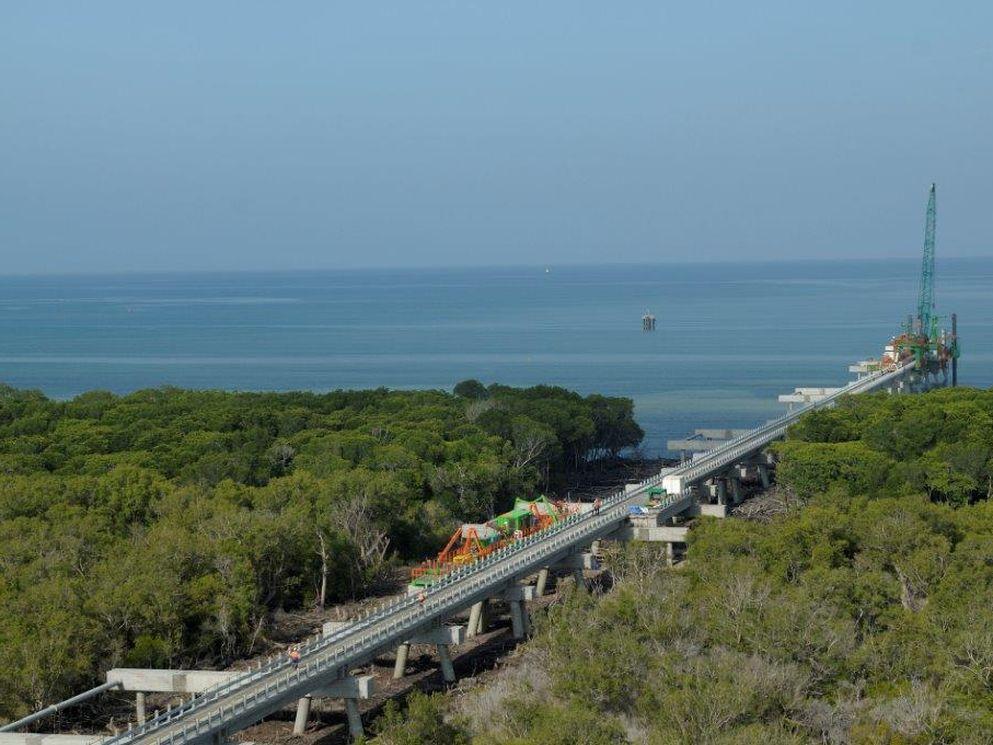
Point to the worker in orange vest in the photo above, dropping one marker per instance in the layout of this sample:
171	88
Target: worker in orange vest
295	655
596	506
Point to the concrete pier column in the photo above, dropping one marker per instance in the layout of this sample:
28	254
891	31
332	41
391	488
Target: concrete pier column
475	616
539	588
447	669
722	491
484	618
735	489
400	668
303	714
139	706
517	618
580	578
354	719
764	475
670	553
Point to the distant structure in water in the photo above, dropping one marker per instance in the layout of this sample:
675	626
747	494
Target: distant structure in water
648	321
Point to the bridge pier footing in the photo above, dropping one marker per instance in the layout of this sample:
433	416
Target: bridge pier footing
139	706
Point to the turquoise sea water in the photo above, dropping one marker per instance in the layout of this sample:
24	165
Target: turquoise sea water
730	337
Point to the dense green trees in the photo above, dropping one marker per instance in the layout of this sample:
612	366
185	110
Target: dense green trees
940	444
864	614
162	527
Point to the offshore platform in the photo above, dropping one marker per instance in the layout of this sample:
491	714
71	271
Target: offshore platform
933	351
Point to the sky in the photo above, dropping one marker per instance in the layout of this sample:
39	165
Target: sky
258	135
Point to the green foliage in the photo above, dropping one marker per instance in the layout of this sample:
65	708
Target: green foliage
421	723
863	615
940	443
162	527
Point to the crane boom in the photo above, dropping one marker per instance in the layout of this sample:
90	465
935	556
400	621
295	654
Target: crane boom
925	296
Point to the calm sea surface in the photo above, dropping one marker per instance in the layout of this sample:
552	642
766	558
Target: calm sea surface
730	338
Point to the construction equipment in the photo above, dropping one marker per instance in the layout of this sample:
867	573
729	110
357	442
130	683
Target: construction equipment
925	294
931	348
474	541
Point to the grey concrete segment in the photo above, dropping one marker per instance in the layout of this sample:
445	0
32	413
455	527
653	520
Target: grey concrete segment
195	681
352	686
720	434
168	681
656	534
438	635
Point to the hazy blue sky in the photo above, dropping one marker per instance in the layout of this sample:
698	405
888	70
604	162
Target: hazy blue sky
215	135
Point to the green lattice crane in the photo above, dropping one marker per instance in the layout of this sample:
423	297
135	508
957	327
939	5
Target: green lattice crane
926	320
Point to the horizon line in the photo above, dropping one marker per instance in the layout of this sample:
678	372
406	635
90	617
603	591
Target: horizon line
462	267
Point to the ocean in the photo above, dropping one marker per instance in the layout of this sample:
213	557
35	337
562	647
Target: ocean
729	337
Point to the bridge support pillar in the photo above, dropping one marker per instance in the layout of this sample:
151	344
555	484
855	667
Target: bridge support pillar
735	489
479	618
517	614
354	719
447	669
580	578
517	597
764	475
139	706
722	491
484	618
303	714
670	553
475	616
400	667
539	588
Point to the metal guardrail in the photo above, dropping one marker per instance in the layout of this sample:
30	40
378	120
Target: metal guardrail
328	657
